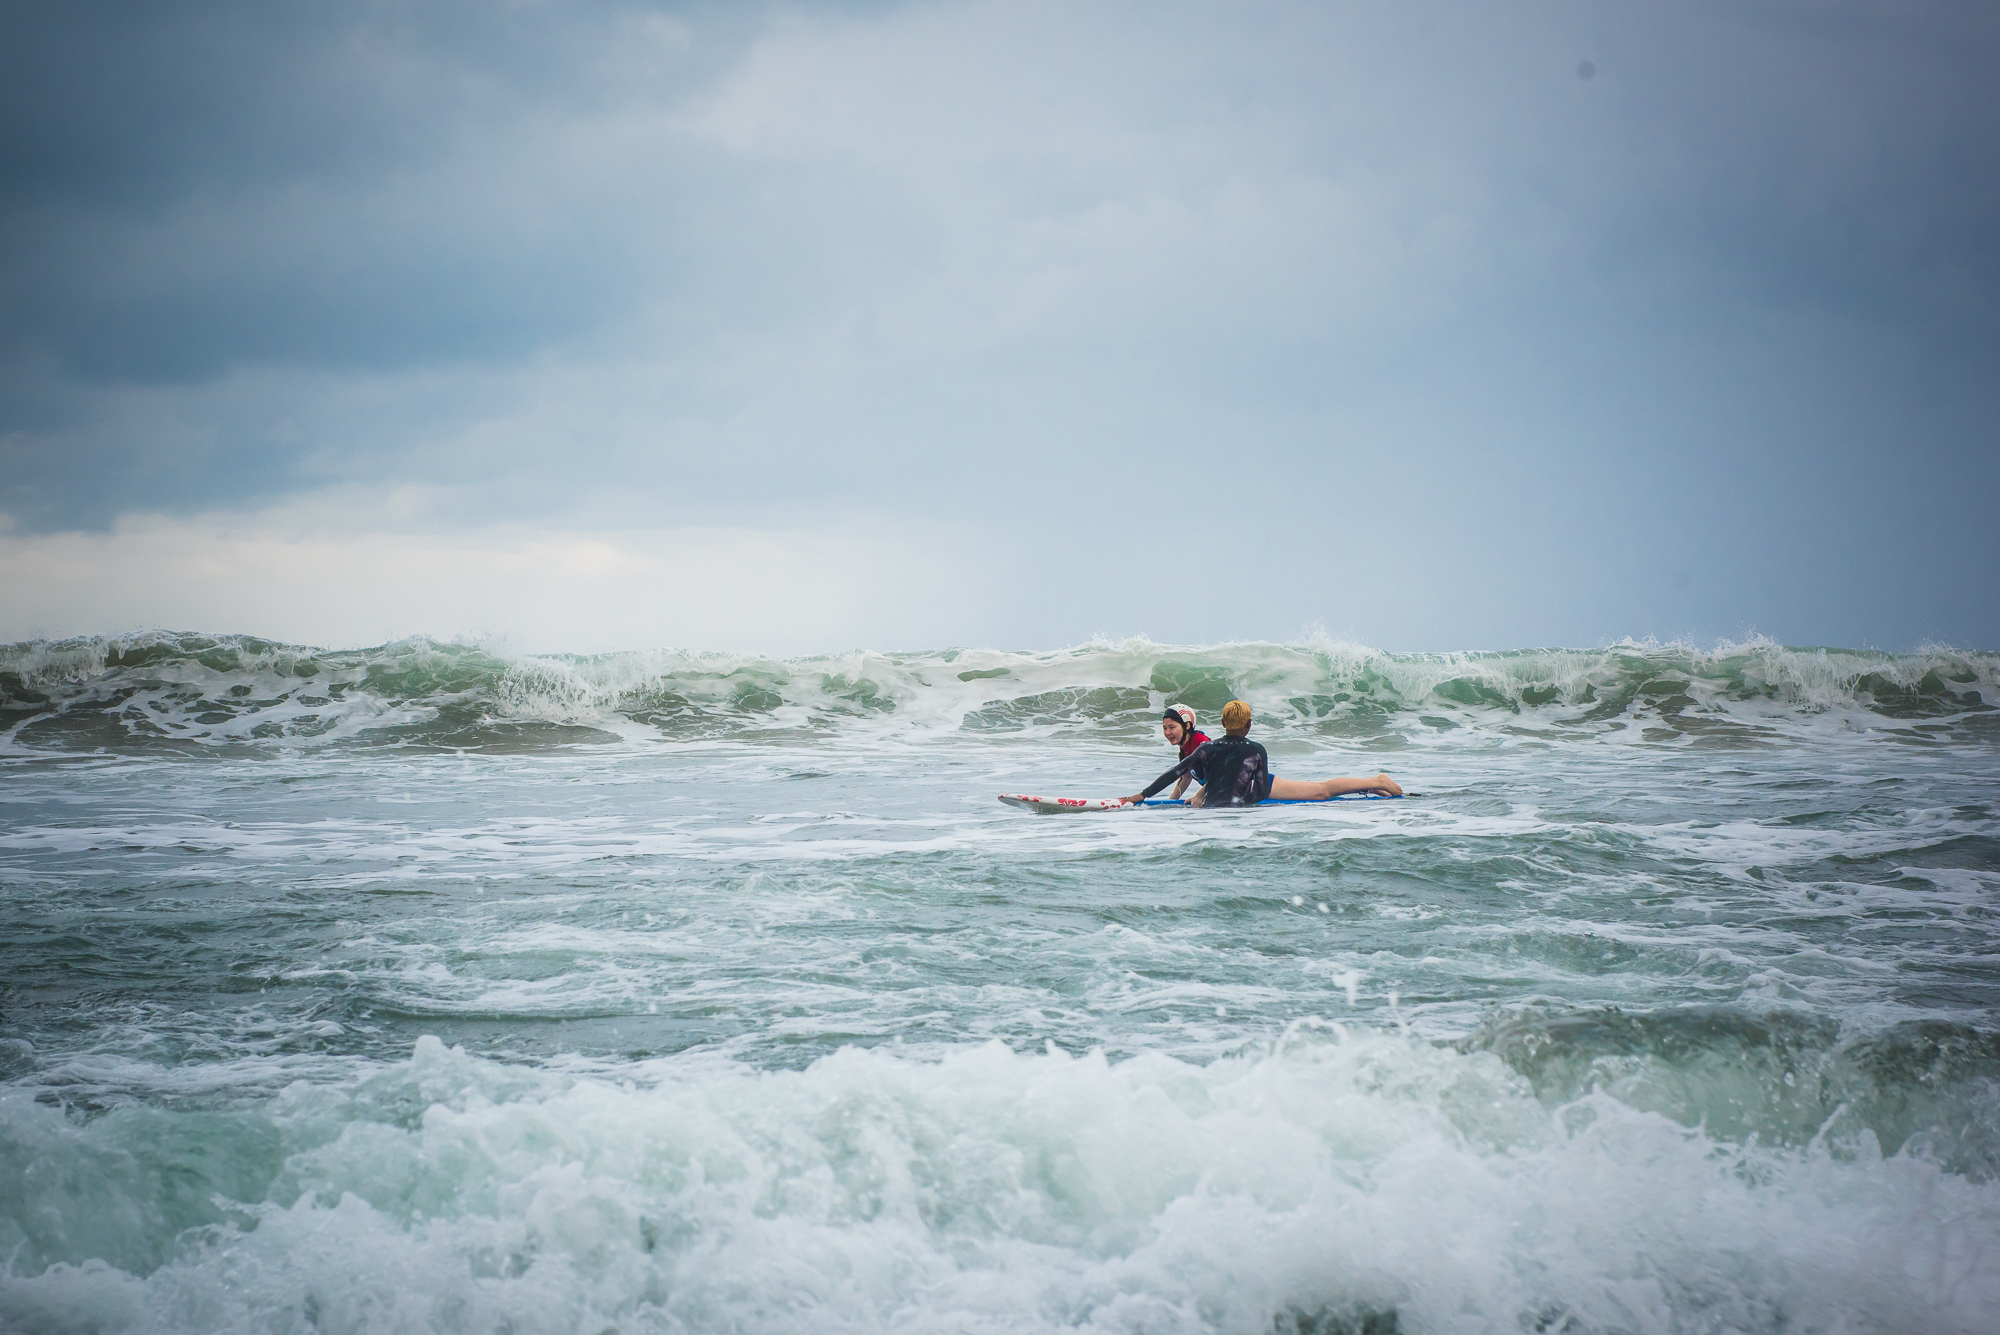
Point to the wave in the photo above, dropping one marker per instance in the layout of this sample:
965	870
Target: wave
236	694
1334	1181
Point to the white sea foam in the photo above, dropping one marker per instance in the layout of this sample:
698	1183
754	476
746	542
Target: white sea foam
1336	1175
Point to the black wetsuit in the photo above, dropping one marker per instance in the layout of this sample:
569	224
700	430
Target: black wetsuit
1189	746
1238	772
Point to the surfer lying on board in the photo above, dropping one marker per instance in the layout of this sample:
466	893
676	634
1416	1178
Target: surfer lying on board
1236	772
1178	728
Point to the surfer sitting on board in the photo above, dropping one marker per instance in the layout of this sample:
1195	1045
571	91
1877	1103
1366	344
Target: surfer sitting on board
1236	771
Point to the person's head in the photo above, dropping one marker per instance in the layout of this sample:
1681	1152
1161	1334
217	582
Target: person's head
1236	717
1177	724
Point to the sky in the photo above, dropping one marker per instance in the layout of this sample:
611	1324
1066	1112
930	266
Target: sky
588	326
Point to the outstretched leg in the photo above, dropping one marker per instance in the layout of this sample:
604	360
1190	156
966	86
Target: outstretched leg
1298	791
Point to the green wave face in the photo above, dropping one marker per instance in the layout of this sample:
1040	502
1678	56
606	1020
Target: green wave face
234	694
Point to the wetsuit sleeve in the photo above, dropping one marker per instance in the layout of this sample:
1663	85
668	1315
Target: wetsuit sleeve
1194	757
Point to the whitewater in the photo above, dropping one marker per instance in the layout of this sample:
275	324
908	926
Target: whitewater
433	987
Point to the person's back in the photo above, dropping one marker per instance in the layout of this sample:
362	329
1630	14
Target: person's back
1238	772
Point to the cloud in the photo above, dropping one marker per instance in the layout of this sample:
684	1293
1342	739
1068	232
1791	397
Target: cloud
311	578
1398	279
222	185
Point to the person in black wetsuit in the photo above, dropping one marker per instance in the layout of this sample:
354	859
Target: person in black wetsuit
1236	771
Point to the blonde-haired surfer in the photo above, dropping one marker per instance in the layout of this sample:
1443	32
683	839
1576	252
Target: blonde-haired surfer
1237	772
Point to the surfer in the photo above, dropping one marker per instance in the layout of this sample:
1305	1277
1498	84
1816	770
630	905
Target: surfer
1177	725
1236	771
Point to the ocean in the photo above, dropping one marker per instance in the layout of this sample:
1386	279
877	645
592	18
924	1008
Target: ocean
436	988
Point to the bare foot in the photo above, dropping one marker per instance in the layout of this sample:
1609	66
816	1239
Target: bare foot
1385	784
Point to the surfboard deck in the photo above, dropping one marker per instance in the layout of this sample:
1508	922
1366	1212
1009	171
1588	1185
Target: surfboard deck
1053	806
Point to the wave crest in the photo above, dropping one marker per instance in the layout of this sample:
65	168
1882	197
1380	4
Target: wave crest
209	694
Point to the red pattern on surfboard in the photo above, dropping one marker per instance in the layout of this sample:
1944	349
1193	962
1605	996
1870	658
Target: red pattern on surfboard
1075	803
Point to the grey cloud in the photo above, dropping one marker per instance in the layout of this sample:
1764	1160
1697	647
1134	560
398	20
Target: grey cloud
186	189
1019	262
126	105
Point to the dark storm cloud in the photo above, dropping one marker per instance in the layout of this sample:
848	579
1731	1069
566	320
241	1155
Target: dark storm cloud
185	188
190	190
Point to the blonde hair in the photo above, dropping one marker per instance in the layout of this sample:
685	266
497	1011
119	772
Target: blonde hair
1235	716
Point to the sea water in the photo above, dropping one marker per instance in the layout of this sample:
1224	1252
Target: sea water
432	988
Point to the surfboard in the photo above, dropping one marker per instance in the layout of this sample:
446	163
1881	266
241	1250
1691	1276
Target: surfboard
1052	806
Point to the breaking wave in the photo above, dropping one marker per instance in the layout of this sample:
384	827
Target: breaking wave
204	694
1336	1181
